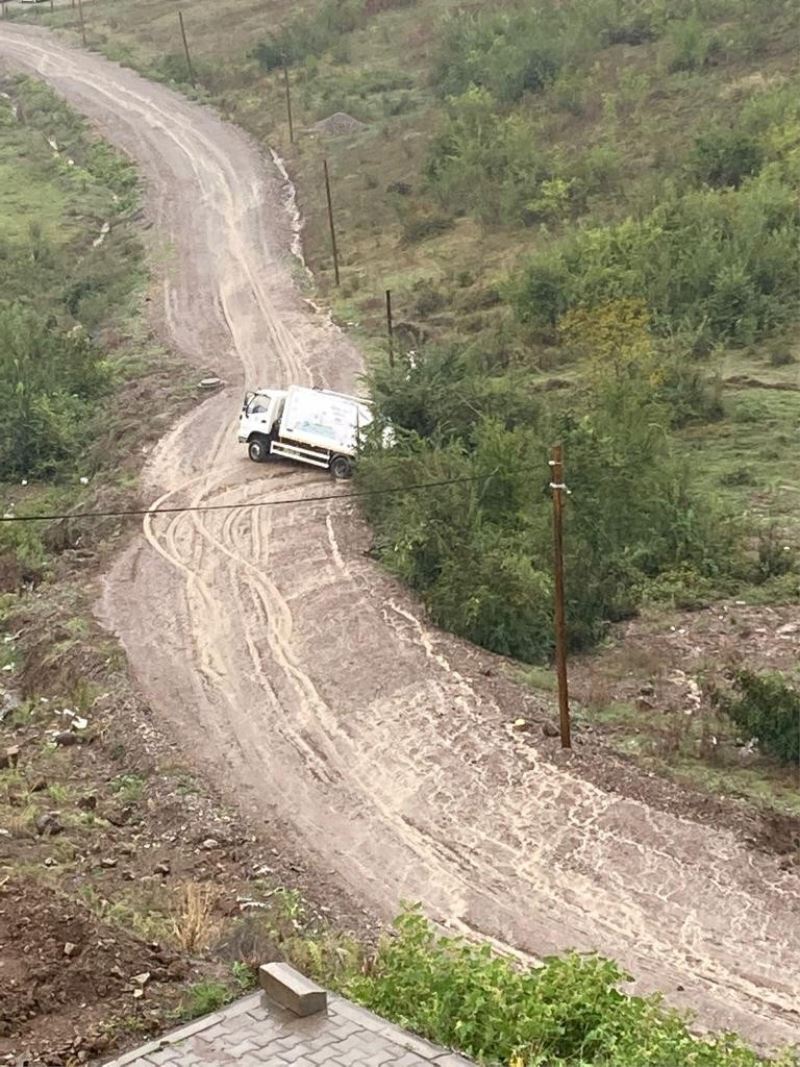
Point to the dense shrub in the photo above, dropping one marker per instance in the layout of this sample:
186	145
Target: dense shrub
50	377
767	707
480	551
496	167
719	265
725	157
568	1012
690	45
507	53
308	35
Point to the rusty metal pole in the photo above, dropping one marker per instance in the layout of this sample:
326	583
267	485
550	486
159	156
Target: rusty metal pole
390	326
288	102
189	66
330	219
83	24
559	488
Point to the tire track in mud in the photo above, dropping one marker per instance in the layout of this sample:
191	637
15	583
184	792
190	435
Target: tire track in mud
307	683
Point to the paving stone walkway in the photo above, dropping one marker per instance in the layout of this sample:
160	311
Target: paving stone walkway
254	1031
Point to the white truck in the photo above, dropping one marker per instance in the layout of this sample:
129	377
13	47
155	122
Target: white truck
313	426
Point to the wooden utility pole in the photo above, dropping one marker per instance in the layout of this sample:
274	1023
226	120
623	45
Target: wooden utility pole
288	102
559	488
390	326
189	66
83	24
330	219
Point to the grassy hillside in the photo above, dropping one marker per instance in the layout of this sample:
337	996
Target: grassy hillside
587	214
503	140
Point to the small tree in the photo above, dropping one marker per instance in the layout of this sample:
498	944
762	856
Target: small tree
725	157
767	707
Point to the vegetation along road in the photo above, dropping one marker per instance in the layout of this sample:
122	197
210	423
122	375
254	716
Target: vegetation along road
306	680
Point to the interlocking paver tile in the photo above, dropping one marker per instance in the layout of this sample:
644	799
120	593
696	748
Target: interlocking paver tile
256	1033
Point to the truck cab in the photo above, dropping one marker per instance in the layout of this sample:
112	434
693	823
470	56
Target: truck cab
259	420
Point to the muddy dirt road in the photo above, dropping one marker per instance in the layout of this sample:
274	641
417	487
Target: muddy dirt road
308	683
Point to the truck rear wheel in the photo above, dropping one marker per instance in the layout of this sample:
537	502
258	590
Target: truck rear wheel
258	450
341	467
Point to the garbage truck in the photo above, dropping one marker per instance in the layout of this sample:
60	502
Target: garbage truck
314	426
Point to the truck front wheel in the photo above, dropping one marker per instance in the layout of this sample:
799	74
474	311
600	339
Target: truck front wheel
258	450
341	467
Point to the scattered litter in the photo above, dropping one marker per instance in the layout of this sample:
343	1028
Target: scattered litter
76	721
105	229
251	905
84	480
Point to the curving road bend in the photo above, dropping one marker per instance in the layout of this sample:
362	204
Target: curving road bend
309	684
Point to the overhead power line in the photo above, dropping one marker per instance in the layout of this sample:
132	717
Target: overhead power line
178	509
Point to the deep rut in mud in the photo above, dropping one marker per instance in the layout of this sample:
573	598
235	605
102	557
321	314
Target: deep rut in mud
308	684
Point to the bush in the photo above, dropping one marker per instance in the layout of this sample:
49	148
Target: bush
49	377
775	557
711	265
567	1012
725	157
485	163
690	47
509	54
767	707
544	292
422	226
305	36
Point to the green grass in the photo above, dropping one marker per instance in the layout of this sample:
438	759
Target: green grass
778	793
204	997
50	214
540	678
750	455
28	199
128	788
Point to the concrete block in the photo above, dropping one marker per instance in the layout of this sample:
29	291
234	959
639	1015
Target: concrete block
292	990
